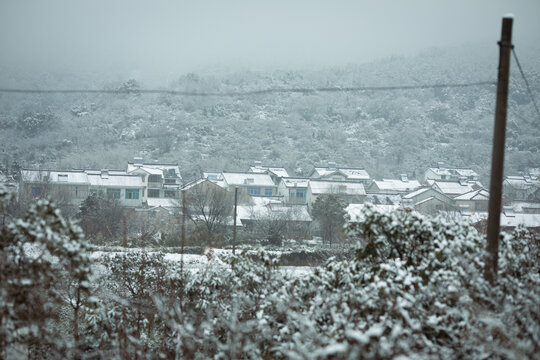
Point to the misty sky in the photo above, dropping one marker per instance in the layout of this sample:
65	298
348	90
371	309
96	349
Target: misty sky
172	37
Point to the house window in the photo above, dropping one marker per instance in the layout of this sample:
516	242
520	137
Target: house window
268	192
132	193
62	178
254	191
170	181
301	193
113	193
154	178
36	191
153	193
291	194
170	194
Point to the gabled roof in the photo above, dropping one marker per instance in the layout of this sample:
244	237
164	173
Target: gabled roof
54	176
295	182
247	179
276	170
453	188
167	170
475	195
397	185
416	193
522	182
215	177
349	173
336	187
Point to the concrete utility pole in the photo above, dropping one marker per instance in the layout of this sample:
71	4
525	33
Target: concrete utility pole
497	161
234	220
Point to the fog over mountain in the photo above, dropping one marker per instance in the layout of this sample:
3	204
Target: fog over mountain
159	42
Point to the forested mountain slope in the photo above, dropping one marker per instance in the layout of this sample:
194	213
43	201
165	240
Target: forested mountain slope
387	132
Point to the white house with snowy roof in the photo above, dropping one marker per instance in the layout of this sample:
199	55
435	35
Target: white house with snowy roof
73	186
394	186
276	172
161	180
293	190
352	192
475	200
455	188
522	188
253	184
428	200
334	173
441	172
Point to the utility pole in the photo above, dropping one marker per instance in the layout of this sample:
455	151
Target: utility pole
234	219
497	161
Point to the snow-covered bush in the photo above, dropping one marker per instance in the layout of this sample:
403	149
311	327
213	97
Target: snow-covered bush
43	265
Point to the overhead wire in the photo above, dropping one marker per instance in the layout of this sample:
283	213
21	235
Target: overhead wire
247	92
526	83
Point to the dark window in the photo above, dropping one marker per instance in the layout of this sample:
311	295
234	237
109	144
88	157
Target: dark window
132	193
268	192
254	191
113	193
36	191
153	193
154	178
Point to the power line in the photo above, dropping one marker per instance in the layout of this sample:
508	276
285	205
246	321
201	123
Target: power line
245	93
526	82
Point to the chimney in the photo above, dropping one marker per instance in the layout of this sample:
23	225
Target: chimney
404	178
440	165
331	164
257	164
104	173
463	181
137	161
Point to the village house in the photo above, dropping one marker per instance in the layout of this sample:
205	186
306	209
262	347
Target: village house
276	173
351	192
444	173
521	188
453	188
161	180
333	173
428	201
473	201
293	190
71	187
393	186
250	184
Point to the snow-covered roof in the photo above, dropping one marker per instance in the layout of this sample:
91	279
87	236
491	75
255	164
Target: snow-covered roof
397	185
163	202
336	187
456	172
193	183
480	194
513	220
355	210
416	193
165	169
295	182
520	206
455	187
522	182
247	179
215	177
276	170
350	173
273	211
54	176
115	180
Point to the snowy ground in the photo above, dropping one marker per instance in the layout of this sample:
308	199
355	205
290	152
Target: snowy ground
195	263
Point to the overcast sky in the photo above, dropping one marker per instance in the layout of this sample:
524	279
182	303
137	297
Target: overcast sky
174	37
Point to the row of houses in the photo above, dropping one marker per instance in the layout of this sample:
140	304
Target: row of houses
153	186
